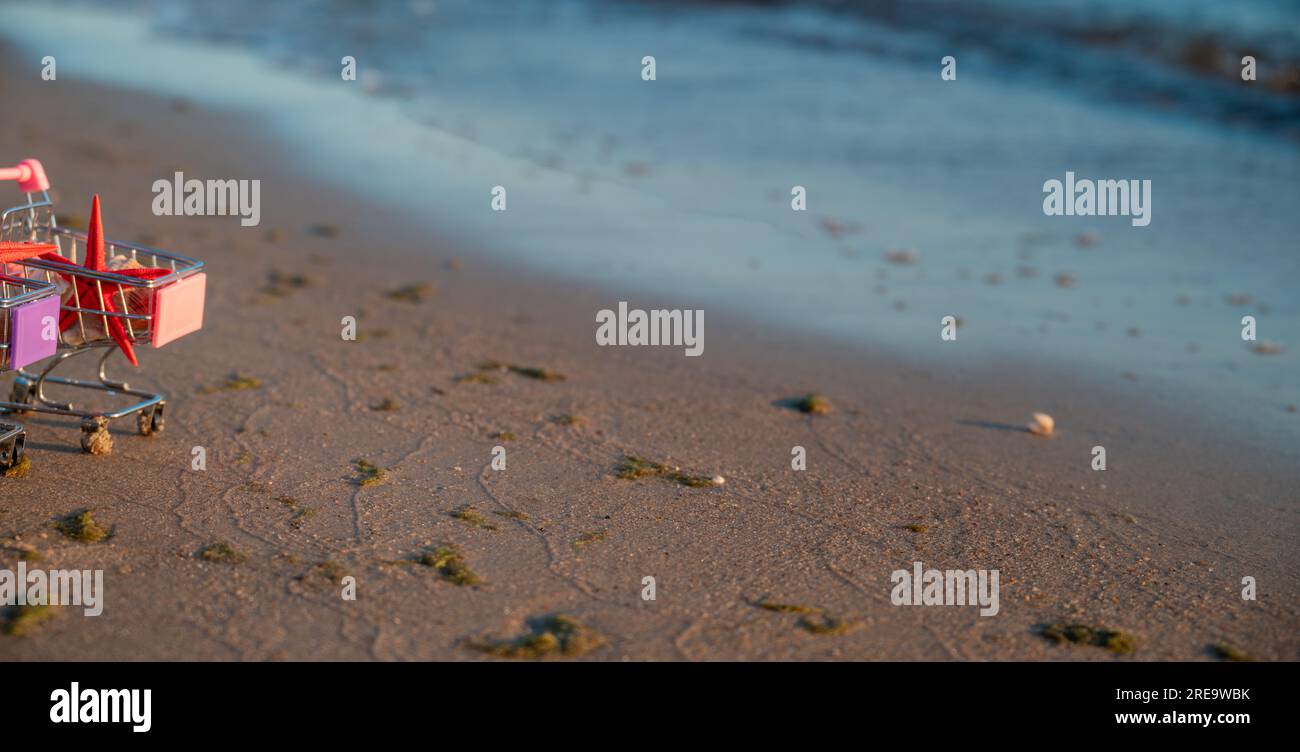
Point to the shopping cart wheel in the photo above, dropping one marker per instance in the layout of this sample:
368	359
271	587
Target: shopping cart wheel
22	393
95	437
150	421
11	452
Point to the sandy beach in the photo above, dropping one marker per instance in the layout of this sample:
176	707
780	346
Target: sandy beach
912	462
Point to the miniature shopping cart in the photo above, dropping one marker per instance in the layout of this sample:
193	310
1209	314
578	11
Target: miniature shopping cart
97	310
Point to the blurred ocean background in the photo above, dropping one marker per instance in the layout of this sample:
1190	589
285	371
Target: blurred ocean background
924	196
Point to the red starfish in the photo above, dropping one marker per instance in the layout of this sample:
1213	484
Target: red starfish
87	290
23	250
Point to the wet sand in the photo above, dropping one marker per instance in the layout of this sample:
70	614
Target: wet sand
914	463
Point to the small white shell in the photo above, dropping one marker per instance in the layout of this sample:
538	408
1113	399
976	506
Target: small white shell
122	261
718	480
1042	425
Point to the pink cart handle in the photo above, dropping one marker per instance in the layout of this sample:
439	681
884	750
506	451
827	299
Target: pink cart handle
29	174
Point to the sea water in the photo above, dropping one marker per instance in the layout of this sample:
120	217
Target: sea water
924	196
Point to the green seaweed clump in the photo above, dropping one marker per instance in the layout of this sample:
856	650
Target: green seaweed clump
589	537
414	293
24	552
541	374
824	624
330	570
811	619
280	284
450	565
694	481
813	404
387	405
1226	652
786	608
513	515
1114	640
234	383
470	516
633	468
367	472
81	526
222	552
553	636
300	515
917	527
25	620
532	372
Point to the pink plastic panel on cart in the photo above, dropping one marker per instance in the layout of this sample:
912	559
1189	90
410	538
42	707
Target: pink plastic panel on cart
178	309
33	331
